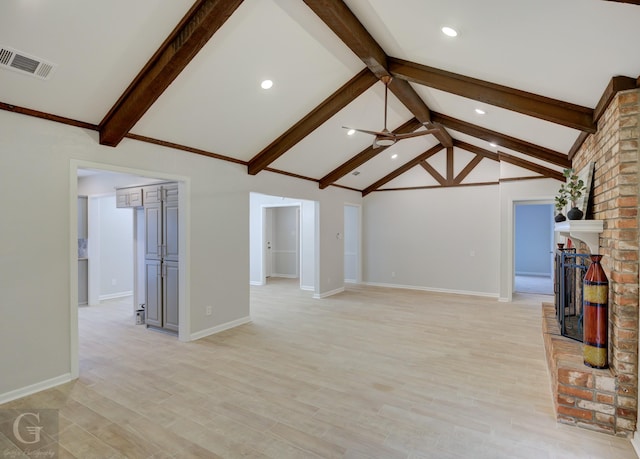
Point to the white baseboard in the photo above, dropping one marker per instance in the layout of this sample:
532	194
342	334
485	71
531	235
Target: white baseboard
635	442
33	388
308	288
112	296
219	328
326	294
432	289
350	281
258	283
286	276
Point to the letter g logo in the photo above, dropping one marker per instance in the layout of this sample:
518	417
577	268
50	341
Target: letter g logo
34	431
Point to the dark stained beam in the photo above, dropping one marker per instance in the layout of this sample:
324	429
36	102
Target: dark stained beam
450	166
364	156
544	171
555	111
633	2
577	144
410	99
467	169
185	41
47	116
341	20
503	140
616	84
402	169
433	172
329	107
477	150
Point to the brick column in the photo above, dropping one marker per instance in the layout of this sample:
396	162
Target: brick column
615	151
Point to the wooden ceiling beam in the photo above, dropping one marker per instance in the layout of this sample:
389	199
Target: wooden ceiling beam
364	156
616	84
477	150
433	172
402	169
341	20
577	144
185	41
467	169
544	171
545	108
450	166
503	140
329	107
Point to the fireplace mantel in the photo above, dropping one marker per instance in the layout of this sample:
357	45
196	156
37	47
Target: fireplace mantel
587	231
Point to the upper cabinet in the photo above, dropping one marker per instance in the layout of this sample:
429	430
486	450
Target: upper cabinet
129	197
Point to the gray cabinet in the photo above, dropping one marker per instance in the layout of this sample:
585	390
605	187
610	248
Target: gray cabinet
129	197
161	255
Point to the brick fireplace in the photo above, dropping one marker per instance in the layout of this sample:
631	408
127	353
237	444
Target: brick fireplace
606	400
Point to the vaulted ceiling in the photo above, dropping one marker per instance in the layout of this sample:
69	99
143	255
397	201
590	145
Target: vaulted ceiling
187	75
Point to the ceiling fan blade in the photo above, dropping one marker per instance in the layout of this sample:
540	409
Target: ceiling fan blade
368	132
408	135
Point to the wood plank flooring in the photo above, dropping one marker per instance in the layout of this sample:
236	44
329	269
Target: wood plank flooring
371	372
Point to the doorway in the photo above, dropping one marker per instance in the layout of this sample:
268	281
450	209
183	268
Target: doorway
533	247
111	177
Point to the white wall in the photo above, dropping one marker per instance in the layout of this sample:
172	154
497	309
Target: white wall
116	249
443	239
37	163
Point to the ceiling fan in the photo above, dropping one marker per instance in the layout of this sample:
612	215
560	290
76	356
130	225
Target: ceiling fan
386	138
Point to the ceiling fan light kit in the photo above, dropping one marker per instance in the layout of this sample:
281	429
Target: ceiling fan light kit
386	138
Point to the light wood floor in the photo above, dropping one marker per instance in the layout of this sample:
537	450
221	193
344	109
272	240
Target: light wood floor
372	372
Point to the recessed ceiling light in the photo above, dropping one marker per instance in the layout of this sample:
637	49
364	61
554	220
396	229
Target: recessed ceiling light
266	84
351	131
394	156
493	144
480	111
448	31
356	173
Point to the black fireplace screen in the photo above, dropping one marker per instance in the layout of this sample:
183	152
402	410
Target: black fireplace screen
570	268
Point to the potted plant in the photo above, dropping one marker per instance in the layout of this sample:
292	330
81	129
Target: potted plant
573	189
561	203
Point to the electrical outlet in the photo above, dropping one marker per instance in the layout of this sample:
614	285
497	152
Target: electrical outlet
209	310
114	281
393	274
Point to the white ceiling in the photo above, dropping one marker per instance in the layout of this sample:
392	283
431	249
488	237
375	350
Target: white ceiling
567	50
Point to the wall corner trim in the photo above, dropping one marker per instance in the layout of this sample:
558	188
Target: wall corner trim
319	296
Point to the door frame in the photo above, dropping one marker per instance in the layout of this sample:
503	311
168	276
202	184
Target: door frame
513	238
184	223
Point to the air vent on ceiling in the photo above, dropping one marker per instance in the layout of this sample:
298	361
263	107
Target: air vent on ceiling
18	61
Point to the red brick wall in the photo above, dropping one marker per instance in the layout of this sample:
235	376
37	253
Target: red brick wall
615	151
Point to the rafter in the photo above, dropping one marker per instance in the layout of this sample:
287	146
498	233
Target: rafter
477	150
555	111
503	140
185	41
341	20
544	171
433	172
364	156
402	169
467	169
332	105
616	84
